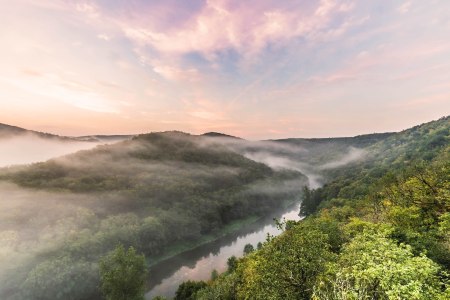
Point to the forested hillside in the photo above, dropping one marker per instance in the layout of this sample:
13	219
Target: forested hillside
378	230
155	192
8	131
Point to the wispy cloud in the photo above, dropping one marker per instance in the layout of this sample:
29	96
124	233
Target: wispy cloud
404	8
60	89
247	27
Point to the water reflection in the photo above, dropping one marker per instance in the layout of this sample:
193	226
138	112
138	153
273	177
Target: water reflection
198	263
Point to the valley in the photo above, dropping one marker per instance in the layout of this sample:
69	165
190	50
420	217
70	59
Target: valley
180	199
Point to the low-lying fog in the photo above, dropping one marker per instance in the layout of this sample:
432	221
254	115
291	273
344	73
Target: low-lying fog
29	148
279	155
34	222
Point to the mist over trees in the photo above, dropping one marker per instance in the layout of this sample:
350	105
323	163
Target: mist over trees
378	230
123	274
163	191
153	192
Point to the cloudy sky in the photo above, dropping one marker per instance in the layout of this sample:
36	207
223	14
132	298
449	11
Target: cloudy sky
256	69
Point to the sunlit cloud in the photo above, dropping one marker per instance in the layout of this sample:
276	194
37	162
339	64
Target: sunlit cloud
176	73
404	8
103	37
246	27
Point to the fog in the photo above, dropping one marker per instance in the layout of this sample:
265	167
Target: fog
353	155
84	203
33	223
281	155
30	148
112	193
282	162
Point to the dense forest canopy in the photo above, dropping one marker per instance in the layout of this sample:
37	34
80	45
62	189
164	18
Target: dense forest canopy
379	229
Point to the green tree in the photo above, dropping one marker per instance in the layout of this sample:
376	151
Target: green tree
188	289
214	274
287	267
259	246
60	278
224	288
248	248
310	201
232	263
123	274
372	266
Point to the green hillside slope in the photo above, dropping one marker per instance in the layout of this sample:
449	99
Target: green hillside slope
378	230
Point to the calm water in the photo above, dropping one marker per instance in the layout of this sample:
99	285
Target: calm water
198	263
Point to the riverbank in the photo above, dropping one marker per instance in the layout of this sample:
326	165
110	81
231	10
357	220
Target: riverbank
178	248
234	226
198	263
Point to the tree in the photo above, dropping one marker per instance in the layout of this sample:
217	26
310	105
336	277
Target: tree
286	267
224	288
214	274
188	289
60	278
372	266
123	274
310	201
248	248
232	263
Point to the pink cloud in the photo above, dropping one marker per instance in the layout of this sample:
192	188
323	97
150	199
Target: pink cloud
176	73
244	26
404	8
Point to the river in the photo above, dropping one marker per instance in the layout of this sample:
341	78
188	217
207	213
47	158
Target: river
197	264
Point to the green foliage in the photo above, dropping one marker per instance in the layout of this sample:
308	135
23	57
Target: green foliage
379	229
188	290
311	200
214	274
223	288
123	274
372	266
287	267
153	193
248	248
232	263
163	189
259	246
61	278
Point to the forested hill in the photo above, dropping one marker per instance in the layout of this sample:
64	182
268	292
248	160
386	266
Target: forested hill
380	229
418	145
157	192
323	150
9	131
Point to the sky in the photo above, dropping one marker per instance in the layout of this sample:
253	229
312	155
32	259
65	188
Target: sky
256	69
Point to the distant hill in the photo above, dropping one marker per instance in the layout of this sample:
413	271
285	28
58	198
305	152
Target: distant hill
222	135
8	131
356	141
105	138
